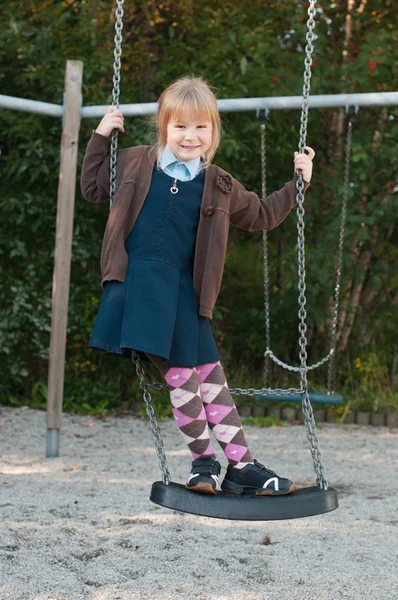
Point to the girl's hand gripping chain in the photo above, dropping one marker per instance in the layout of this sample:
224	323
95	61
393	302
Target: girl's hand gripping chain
303	162
113	119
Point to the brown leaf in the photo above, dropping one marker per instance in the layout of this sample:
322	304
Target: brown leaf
265	541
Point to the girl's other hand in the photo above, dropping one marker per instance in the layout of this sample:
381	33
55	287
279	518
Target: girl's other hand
113	119
303	163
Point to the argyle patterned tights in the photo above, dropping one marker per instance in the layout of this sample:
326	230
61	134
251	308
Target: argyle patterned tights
202	401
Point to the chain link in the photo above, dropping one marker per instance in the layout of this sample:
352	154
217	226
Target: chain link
297	369
306	404
269	355
115	95
264	392
244	391
331	370
157	436
264	116
309	49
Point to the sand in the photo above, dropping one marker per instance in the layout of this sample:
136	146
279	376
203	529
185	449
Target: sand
81	526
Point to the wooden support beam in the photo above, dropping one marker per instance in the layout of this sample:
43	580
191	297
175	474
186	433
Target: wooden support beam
63	252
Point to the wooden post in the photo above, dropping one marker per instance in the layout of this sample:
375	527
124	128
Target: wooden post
63	252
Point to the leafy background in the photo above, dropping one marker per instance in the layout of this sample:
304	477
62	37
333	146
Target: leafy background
253	49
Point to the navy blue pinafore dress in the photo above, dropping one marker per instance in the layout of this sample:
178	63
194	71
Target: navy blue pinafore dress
155	309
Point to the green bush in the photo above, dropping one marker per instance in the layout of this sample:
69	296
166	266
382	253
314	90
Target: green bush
244	50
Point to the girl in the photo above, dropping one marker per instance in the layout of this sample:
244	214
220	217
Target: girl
162	261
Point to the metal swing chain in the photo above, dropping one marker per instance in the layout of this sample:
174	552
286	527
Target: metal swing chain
331	371
244	391
159	445
157	436
306	404
264	116
297	369
307	409
352	112
268	354
115	95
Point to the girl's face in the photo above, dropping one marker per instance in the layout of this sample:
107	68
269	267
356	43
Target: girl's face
188	138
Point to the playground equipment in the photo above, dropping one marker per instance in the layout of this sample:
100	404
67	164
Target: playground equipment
71	112
330	397
306	501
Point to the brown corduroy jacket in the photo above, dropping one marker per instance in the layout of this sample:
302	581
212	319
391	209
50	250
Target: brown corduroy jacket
224	201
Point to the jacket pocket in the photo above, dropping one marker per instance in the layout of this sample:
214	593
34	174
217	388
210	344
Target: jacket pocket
223	203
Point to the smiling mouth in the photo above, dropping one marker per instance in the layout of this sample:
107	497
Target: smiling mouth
190	147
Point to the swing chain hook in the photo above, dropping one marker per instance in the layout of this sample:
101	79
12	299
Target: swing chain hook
352	113
115	95
157	436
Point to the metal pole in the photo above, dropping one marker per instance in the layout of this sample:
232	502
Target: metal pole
31	106
227	105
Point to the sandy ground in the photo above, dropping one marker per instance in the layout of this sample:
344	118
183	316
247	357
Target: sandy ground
82	526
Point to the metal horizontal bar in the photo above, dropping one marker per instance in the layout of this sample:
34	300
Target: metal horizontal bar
31	106
128	110
322	101
227	105
277	103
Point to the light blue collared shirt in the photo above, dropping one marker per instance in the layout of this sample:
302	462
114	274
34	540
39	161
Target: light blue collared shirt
184	171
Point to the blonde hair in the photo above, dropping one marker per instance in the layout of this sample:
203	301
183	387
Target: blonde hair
187	97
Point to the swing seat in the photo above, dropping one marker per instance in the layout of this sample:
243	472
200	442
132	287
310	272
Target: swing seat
315	398
304	502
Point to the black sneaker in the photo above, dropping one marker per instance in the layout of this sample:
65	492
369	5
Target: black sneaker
205	476
256	479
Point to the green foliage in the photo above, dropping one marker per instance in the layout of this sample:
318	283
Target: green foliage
243	50
371	386
263	421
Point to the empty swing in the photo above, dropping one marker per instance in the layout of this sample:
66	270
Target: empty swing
303	502
330	397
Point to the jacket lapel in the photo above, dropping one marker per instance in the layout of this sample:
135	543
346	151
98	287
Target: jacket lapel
145	169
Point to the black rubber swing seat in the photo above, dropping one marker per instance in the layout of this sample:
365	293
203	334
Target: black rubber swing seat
304	502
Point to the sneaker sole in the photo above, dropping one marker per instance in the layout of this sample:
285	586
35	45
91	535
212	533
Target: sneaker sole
289	491
234	488
203	487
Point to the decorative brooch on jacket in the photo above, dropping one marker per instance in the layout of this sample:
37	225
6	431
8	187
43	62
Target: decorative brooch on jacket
224	182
